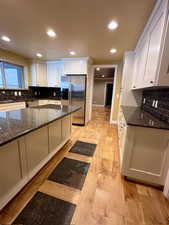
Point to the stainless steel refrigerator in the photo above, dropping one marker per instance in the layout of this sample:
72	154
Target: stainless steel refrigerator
73	88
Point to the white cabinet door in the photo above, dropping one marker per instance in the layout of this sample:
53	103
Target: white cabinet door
163	79
33	75
153	53
54	72
75	67
146	154
41	74
140	64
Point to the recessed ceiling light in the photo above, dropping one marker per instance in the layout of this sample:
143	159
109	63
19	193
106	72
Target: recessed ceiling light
39	55
5	38
103	76
113	51
98	68
113	25
51	33
72	53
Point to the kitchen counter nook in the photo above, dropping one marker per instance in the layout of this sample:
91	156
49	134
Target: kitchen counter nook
28	139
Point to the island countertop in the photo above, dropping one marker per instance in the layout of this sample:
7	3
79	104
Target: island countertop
135	116
15	123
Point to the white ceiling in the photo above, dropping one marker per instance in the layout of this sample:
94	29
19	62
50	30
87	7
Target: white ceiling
81	25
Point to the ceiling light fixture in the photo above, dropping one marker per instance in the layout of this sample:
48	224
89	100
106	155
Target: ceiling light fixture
72	53
113	51
39	55
51	33
5	38
113	25
103	76
98	68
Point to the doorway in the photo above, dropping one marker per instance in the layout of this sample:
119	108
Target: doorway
104	85
109	94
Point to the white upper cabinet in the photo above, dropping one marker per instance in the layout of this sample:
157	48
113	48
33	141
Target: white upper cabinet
155	38
150	49
54	72
163	78
39	74
75	67
140	63
55	69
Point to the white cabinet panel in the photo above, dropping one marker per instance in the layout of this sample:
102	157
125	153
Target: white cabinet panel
66	127
146	154
140	64
39	74
10	167
36	147
54	72
55	135
42	74
75	67
163	78
153	53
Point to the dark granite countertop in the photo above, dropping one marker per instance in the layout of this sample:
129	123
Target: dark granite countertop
15	123
135	116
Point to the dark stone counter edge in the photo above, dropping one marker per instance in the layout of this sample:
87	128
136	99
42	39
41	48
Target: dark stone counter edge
160	124
147	126
36	128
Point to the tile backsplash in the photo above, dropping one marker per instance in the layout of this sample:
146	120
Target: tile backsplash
156	102
45	92
17	94
31	93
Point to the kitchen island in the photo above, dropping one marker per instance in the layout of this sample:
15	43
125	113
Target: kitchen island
28	139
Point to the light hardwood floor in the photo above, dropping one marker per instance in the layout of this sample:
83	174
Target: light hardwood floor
106	198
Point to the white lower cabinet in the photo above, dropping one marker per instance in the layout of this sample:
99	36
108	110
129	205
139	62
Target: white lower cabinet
21	159
13	170
12	106
146	154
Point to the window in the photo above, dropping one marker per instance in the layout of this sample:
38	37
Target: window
11	76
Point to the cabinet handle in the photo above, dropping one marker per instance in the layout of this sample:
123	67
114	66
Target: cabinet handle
151	82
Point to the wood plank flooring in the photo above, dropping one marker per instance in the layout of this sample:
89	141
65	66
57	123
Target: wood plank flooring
106	198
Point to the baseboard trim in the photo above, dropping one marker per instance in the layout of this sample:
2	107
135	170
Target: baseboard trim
98	105
113	122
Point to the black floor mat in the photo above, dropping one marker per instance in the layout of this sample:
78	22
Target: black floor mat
83	148
70	172
46	210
